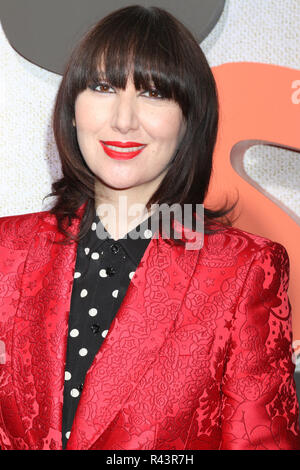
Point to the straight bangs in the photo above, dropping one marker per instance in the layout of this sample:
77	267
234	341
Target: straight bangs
144	46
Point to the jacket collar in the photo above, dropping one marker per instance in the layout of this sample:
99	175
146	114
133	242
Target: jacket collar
145	318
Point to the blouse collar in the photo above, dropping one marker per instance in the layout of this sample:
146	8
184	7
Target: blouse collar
134	248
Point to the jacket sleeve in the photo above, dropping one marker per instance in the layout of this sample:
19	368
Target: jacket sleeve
259	401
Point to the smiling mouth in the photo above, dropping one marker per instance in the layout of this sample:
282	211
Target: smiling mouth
122	151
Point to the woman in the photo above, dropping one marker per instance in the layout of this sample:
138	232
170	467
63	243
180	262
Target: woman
116	342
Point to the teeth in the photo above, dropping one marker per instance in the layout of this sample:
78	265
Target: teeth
124	150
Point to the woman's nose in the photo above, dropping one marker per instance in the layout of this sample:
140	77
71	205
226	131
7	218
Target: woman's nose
124	117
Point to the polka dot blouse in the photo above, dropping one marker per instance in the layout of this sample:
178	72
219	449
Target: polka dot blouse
103	271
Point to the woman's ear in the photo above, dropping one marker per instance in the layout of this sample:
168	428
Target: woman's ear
73	122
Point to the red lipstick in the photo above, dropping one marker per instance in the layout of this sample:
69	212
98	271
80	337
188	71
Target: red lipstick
117	150
123	144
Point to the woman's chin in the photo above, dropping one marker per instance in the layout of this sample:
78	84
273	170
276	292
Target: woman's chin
118	183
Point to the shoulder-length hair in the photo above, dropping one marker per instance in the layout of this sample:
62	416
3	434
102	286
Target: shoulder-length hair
155	47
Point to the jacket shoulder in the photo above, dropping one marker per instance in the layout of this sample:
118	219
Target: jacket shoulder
241	243
17	231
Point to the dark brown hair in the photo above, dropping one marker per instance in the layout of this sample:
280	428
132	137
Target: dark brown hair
160	49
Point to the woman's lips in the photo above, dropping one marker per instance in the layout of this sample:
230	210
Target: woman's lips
122	150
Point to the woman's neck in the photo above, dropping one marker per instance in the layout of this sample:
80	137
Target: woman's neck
121	213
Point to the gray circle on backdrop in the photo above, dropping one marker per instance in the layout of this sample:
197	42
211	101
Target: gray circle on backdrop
45	32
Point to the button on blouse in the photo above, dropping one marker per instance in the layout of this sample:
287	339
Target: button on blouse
103	271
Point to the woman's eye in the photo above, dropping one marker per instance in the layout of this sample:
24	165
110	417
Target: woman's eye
103	88
153	93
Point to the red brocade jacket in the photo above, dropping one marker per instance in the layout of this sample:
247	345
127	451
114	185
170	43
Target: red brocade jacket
199	355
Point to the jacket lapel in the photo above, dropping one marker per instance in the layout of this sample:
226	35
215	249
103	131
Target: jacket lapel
137	333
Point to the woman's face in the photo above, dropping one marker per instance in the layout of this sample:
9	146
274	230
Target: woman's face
114	116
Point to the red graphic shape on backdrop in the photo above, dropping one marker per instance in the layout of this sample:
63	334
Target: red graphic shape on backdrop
258	105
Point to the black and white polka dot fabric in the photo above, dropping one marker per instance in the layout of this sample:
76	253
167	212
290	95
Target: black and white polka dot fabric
103	271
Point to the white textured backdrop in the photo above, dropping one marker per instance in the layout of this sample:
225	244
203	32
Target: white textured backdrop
265	31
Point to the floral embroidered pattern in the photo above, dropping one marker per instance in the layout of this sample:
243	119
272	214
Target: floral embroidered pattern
199	355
